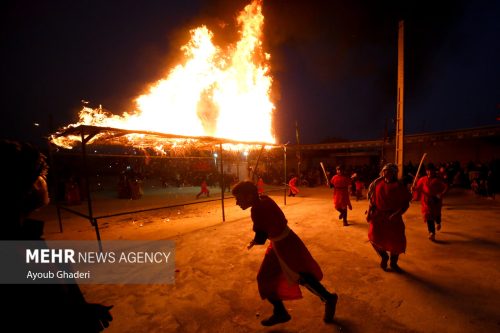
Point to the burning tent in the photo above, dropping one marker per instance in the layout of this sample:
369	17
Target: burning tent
216	92
217	96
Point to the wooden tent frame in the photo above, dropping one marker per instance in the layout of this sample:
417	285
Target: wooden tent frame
108	135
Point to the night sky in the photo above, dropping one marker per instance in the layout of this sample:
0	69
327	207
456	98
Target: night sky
334	63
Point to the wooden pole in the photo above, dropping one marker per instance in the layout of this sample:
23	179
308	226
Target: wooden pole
297	136
93	221
324	173
415	179
222	184
284	174
400	102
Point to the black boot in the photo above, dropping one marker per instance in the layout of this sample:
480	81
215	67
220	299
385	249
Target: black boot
280	315
330	300
394	263
432	229
384	256
345	218
330	307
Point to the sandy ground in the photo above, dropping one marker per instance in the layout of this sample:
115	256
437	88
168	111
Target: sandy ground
451	285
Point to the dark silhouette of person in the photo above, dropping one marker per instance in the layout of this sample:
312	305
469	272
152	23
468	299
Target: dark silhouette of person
57	307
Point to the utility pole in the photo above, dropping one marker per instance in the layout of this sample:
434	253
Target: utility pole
297	137
400	102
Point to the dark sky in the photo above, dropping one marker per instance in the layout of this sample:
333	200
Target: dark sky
334	63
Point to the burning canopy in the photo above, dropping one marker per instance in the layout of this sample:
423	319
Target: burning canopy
216	92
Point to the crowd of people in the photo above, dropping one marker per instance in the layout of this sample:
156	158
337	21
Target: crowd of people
479	177
127	175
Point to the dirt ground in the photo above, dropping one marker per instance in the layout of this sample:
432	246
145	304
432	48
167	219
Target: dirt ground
450	285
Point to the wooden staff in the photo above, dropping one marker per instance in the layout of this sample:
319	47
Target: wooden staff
418	171
324	172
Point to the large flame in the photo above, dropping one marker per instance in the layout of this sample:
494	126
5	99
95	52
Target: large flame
223	93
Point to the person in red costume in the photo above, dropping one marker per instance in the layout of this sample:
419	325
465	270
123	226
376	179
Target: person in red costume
430	190
287	262
359	189
388	199
260	186
292	185
203	189
340	183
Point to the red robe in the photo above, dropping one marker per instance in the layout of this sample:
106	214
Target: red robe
341	192
260	186
285	257
384	232
204	187
293	185
426	191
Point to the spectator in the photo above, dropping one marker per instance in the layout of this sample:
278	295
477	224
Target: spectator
37	307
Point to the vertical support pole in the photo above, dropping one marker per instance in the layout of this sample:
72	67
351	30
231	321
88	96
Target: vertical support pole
400	102
55	189
93	221
284	174
298	155
222	184
98	234
238	164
